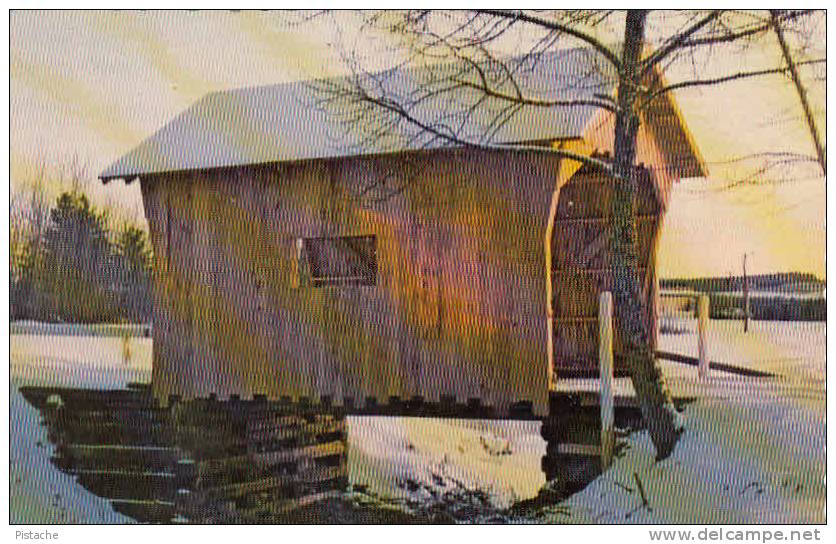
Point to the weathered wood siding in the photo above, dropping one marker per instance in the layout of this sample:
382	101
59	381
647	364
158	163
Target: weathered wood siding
581	266
459	309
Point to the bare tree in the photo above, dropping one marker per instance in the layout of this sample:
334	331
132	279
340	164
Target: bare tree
28	217
465	87
801	90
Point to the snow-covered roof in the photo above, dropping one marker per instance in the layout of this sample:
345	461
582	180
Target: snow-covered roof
296	121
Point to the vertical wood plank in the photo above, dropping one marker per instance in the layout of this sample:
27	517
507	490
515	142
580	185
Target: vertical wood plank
156	211
457	308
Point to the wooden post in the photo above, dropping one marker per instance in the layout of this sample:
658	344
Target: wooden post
296	271
605	358
702	320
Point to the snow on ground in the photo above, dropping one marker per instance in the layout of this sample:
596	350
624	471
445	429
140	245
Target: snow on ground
734	464
401	458
87	362
793	350
754	449
38	491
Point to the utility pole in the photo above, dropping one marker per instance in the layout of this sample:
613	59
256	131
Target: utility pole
745	297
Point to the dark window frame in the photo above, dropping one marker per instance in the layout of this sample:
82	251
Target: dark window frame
324	261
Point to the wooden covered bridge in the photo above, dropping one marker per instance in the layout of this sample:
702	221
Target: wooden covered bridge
304	271
297	259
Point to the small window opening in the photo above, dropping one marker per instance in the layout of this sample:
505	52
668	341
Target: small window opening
344	260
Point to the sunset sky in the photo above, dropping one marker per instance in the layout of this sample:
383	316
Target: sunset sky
89	86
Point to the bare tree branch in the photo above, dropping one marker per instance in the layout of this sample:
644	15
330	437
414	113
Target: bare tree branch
554	25
468	101
724	79
801	91
525	101
739	34
451	138
678	40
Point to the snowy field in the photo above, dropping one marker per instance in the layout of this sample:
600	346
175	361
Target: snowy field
39	492
754	449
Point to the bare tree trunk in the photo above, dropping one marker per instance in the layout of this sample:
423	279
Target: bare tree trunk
658	411
801	91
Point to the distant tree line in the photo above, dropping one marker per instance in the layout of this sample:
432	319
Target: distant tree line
71	262
792	296
785	282
768	307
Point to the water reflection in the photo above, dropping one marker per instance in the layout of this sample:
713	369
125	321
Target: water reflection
201	461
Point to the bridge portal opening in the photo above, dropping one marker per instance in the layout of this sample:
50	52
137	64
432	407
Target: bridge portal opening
580	268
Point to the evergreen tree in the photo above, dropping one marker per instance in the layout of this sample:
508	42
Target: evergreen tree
134	260
79	273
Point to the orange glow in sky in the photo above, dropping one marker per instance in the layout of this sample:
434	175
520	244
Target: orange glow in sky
92	85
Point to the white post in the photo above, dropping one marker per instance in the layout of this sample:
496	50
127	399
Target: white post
605	359
702	320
